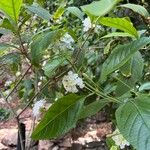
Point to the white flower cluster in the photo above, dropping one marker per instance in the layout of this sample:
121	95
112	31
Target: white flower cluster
68	40
8	83
87	24
37	108
71	81
18	74
119	139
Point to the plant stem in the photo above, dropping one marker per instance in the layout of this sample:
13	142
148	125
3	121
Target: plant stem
50	81
18	83
17	119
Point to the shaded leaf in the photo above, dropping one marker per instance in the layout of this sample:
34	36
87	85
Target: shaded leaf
52	65
133	121
137	8
92	108
76	11
41	12
5	46
42	42
120	55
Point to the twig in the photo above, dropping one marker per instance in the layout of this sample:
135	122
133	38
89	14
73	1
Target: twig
50	81
18	83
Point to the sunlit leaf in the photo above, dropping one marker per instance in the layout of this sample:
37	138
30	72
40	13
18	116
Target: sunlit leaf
11	8
60	118
120	23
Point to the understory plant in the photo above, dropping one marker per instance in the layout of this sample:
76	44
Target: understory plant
78	60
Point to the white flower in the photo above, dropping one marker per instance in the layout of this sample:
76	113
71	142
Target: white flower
39	83
86	24
18	74
68	40
8	83
44	63
71	81
119	139
37	108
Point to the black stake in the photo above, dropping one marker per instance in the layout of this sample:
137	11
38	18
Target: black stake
23	136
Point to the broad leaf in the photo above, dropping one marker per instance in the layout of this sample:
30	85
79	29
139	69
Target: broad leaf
41	43
92	108
11	8
145	86
41	12
120	55
137	8
99	8
60	118
76	11
133	121
118	34
121	24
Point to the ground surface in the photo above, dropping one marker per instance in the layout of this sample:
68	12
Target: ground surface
88	135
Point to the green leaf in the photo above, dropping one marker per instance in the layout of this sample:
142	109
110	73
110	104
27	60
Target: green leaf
133	72
59	12
42	42
12	60
5	46
107	47
137	8
114	148
7	25
27	88
133	121
120	23
114	34
60	118
99	8
120	55
52	65
145	86
41	12
11	8
76	11
92	108
126	68
137	67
